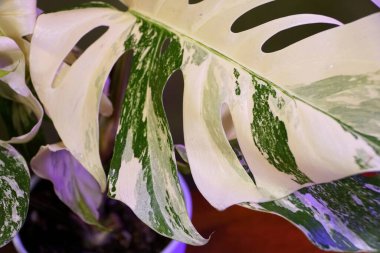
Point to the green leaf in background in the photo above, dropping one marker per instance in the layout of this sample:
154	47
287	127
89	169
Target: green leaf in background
14	192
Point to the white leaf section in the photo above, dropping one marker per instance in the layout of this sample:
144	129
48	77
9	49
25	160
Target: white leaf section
13	84
17	19
214	165
72	96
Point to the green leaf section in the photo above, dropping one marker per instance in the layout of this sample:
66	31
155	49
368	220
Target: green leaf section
14	192
269	133
144	135
342	215
4	72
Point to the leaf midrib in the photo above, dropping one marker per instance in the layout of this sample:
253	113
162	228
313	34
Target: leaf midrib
184	36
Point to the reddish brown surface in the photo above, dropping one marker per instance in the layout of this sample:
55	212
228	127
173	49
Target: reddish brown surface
8	249
240	230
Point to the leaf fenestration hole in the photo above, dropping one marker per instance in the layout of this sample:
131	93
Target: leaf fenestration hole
80	47
230	134
173	105
194	1
345	11
84	43
292	35
119	78
165	45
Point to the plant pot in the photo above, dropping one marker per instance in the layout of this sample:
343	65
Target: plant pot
171	247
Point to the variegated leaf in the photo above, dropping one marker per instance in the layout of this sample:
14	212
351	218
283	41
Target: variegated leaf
156	201
143	169
14	192
340	216
290	135
73	184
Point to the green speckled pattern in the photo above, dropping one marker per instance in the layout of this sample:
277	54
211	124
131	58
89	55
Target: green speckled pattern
14	192
144	137
270	134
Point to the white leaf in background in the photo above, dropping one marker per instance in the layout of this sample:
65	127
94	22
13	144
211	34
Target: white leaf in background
73	184
13	86
17	18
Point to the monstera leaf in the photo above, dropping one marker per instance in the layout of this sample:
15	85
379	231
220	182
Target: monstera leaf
303	115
